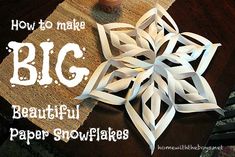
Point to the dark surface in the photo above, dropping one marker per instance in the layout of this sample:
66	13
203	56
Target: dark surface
212	19
224	130
27	10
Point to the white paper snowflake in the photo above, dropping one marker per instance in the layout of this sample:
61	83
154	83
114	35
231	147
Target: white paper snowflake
153	60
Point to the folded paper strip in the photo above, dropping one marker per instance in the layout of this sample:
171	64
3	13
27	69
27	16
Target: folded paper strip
138	63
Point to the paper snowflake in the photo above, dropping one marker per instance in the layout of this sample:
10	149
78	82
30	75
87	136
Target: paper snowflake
154	61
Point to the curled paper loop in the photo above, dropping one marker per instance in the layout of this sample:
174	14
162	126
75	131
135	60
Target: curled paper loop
153	60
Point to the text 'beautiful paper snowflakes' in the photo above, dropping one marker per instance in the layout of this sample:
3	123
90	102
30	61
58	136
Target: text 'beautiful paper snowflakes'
154	61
